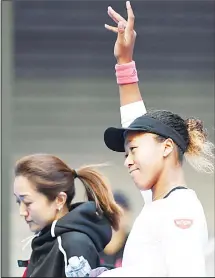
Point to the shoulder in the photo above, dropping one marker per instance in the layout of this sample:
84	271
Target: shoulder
184	214
76	238
184	202
180	201
181	207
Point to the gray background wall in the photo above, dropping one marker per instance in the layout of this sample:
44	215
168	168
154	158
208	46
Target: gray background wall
59	91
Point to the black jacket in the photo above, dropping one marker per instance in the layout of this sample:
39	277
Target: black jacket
81	232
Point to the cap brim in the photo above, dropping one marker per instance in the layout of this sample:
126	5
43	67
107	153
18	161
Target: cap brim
114	138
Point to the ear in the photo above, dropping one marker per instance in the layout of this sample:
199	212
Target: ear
168	147
61	200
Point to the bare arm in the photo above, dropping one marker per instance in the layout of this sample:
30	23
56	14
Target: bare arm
131	101
129	93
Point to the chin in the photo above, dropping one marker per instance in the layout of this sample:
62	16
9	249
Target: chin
143	187
34	228
140	187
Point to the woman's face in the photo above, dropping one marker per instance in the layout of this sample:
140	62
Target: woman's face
34	206
144	158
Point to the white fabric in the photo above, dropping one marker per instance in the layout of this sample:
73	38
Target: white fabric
131	111
128	114
157	247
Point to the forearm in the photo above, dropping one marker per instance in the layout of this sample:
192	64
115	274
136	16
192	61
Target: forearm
131	102
129	93
131	107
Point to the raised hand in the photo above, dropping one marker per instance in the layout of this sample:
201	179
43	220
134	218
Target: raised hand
126	35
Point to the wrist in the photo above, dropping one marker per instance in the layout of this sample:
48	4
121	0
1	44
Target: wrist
126	73
124	61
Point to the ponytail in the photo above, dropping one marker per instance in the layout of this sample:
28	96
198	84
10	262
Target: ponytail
99	191
200	151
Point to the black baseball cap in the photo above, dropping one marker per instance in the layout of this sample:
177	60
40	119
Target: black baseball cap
115	137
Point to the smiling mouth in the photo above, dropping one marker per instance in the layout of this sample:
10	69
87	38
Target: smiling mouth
132	171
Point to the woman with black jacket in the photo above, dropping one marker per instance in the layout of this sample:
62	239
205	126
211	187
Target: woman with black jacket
68	237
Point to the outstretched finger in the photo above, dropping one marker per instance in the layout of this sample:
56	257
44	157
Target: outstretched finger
115	16
121	31
130	24
111	28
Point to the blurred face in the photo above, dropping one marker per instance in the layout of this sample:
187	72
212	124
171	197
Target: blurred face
37	210
144	158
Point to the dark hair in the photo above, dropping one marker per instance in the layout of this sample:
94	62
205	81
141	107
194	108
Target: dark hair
199	152
50	175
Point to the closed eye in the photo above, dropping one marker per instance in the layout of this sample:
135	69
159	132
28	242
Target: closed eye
28	204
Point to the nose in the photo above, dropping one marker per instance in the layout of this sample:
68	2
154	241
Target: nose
23	210
129	161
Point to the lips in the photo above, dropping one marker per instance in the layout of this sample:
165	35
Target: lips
131	171
28	222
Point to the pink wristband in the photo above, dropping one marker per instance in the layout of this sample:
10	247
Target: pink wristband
126	73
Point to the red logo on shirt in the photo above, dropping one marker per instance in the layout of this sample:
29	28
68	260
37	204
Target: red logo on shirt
183	223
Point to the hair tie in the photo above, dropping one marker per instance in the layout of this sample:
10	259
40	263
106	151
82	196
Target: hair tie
74	173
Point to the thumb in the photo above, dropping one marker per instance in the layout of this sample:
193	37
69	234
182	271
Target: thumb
121	31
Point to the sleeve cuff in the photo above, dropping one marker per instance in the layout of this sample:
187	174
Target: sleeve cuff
131	111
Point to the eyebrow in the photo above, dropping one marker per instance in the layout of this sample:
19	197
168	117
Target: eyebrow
128	143
22	196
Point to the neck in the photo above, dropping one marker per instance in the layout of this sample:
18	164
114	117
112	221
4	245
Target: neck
170	178
61	213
